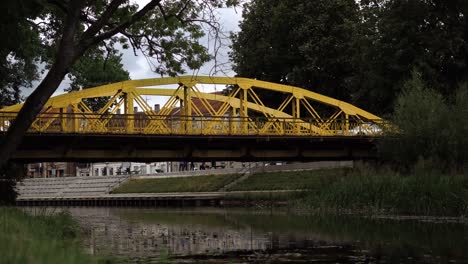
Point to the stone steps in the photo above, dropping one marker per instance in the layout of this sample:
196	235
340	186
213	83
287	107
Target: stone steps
67	187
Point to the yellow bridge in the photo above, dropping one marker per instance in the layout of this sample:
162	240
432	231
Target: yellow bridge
188	111
238	111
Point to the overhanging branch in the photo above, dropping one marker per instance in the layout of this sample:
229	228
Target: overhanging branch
136	17
99	24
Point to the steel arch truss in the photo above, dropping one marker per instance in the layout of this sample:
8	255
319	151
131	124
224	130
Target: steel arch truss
238	110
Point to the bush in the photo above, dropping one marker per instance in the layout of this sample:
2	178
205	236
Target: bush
428	128
8	177
424	192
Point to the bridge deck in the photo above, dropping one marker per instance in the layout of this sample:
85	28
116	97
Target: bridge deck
102	147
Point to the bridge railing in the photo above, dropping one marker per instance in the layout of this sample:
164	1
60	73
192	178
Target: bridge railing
151	124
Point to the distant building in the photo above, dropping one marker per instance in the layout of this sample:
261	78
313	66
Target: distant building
122	168
51	169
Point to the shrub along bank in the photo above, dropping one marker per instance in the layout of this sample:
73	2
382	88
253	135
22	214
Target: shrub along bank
423	192
43	238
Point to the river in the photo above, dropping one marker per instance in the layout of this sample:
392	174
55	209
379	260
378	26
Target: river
213	235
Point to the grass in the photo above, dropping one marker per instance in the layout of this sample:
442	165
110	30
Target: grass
294	180
423	192
25	238
209	183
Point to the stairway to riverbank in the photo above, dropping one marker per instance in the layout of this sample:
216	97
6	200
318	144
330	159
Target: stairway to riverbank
80	187
67	186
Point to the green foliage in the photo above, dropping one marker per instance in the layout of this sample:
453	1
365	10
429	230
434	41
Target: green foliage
426	192
403	35
167	34
43	238
209	183
428	128
19	49
358	52
94	69
8	177
303	43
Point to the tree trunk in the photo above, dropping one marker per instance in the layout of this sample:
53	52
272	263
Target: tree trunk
67	54
33	106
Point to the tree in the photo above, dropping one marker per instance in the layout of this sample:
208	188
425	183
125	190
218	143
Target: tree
95	69
166	31
362	53
433	130
19	52
303	43
398	36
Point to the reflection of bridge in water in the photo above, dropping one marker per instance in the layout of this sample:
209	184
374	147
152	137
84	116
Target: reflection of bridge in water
192	125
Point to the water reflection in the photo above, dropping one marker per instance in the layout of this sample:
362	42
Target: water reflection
232	235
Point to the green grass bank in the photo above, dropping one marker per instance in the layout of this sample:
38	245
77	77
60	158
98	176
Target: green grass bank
40	239
363	189
210	183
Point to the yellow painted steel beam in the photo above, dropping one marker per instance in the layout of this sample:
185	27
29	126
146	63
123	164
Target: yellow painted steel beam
132	92
110	89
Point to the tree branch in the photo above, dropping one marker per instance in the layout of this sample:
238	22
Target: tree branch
132	38
99	24
183	9
136	17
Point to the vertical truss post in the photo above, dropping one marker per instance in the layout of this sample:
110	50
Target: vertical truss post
296	108
346	124
63	121
232	118
296	113
129	113
181	126
75	119
244	116
187	109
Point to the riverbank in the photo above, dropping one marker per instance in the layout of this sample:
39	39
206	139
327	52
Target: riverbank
41	237
359	190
